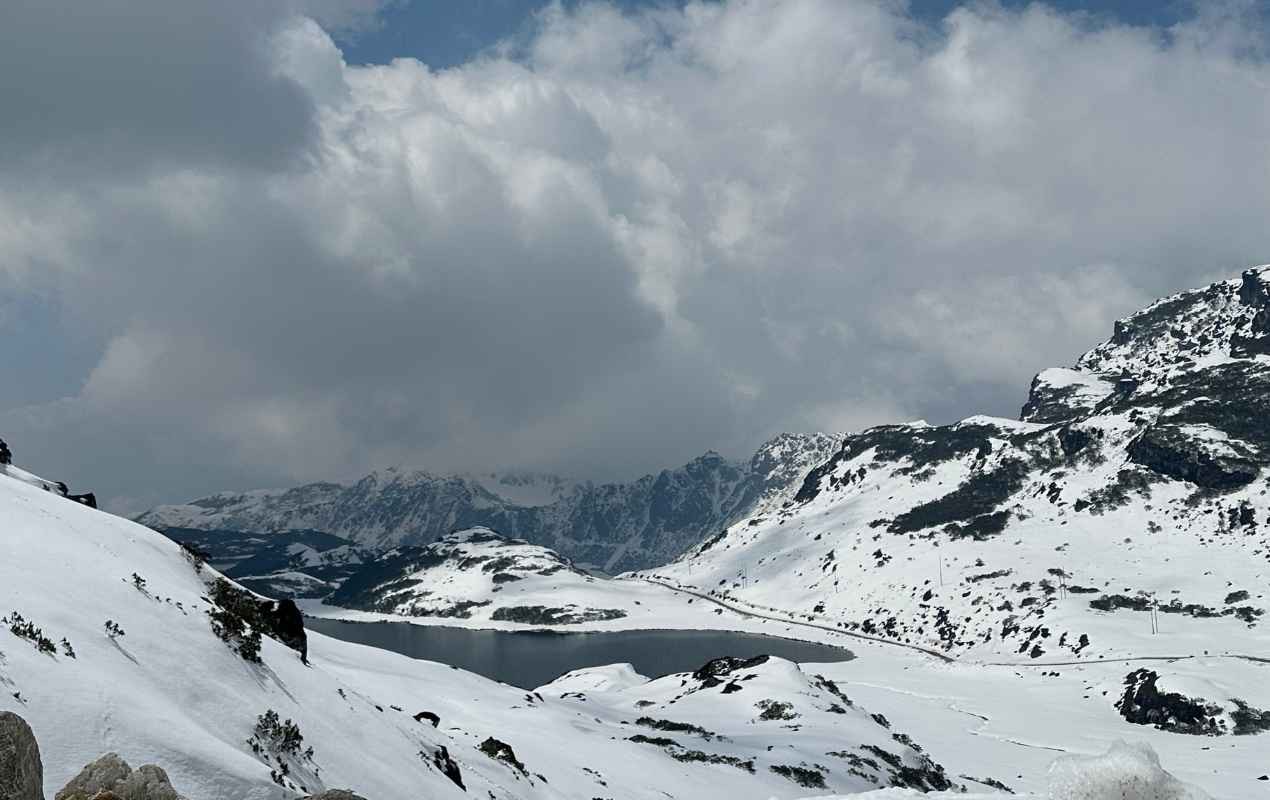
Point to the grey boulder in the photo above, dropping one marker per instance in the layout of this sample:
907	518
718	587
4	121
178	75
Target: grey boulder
111	775
21	774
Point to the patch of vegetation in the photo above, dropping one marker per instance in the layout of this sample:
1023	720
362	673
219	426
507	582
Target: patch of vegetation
1128	483
113	630
696	756
22	628
282	738
980	528
675	727
679	753
230	624
975	500
239	618
922	447
811	778
460	610
773	710
659	741
542	615
1114	602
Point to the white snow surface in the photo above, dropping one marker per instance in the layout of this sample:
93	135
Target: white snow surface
1124	772
169	692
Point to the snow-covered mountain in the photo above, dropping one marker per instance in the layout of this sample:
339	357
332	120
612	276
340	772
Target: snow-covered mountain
117	639
615	527
1125	513
477	573
294	564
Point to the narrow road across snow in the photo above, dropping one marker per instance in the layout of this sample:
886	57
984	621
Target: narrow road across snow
756	615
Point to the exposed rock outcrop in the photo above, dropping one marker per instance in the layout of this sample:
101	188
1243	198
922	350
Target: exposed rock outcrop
111	775
1178	453
21	774
1144	704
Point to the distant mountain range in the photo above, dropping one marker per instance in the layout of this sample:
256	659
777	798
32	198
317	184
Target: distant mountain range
614	527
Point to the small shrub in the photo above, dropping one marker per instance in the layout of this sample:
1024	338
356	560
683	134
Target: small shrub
113	630
775	710
279	737
67	649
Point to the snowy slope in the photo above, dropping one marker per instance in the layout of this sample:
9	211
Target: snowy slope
168	691
296	563
477	574
617	526
478	579
1136	481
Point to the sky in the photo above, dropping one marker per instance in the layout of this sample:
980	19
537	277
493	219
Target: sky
259	244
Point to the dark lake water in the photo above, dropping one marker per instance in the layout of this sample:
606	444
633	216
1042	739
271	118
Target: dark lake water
530	659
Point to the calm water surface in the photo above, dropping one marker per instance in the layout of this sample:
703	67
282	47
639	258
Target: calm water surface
530	659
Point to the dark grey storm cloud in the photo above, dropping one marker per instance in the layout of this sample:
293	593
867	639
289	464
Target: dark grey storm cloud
633	238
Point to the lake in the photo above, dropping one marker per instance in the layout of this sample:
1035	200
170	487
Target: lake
529	659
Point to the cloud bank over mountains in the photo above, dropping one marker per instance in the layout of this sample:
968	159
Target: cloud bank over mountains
604	247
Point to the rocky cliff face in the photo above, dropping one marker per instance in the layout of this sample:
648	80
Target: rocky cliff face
1134	484
616	527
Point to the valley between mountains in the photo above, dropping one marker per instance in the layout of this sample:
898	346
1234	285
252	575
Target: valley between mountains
1015	591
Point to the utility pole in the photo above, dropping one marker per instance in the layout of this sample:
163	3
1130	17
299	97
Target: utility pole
939	554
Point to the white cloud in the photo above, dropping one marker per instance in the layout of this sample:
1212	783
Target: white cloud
624	241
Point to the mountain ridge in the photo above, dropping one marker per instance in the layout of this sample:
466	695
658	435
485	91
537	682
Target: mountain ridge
1032	538
614	526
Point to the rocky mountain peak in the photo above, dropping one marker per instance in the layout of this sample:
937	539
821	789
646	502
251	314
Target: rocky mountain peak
1223	321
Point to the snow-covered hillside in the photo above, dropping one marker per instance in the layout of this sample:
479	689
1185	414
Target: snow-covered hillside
294	564
615	527
109	645
477	573
1131	498
478	579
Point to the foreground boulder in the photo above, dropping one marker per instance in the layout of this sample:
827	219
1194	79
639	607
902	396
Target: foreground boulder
110	776
336	794
21	774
